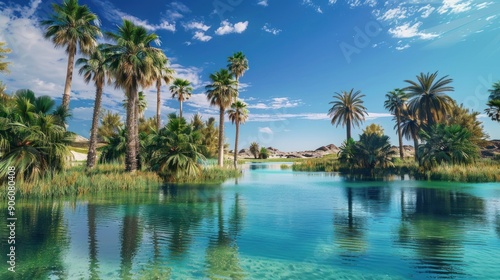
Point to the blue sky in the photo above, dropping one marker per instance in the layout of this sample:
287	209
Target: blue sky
300	53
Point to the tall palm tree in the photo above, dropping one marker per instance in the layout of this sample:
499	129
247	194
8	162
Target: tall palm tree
348	109
395	103
3	65
221	93
238	114
133	64
72	25
182	90
166	74
410	128
428	99
94	68
237	64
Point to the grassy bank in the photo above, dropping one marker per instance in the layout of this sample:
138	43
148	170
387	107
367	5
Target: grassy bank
481	171
76	181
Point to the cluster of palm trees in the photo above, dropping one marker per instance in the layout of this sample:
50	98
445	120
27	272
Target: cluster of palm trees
131	63
223	92
421	109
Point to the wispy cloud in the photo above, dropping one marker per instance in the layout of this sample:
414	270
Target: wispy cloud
226	27
263	3
311	4
276	103
266	130
270	29
455	6
408	30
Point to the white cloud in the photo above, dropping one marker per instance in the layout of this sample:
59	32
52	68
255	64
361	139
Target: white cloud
410	31
311	4
192	74
483	5
276	103
200	35
331	2
226	27
455	6
196	25
266	130
270	29
402	47
426	10
263	3
491	17
395	13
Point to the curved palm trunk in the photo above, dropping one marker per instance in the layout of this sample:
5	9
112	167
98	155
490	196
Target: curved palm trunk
131	152
221	138
69	76
94	263
398	119
92	154
348	129
236	144
158	102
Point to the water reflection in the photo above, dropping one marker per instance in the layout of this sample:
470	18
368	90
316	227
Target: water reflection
432	224
222	253
93	248
349	229
39	226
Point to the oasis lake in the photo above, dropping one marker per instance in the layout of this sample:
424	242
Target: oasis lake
268	224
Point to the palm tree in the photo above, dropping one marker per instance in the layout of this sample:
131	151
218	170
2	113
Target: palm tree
254	149
447	144
32	138
237	64
94	68
133	64
238	114
220	93
494	109
428	99
182	89
348	109
395	103
72	26
410	128
495	91
166	74
3	65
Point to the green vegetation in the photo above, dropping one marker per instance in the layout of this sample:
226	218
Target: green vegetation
33	136
395	103
493	110
254	149
3	65
77	181
263	153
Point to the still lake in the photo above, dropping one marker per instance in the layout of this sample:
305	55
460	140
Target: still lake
268	224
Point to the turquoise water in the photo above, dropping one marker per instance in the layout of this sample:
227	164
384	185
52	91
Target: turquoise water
269	224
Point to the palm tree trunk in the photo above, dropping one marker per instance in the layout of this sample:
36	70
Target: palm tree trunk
348	129
180	109
221	138
131	153
136	134
398	119
415	144
94	264
69	76
92	154
158	102
236	144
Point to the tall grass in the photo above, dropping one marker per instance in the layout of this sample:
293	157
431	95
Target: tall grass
76	181
481	171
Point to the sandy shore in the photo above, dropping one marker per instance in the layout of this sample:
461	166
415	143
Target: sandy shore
79	156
